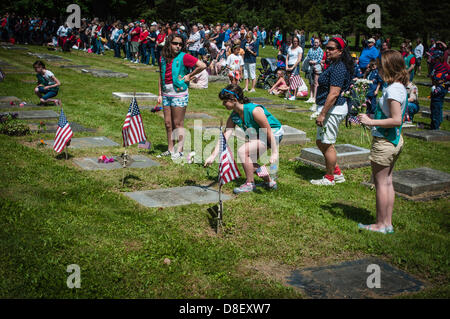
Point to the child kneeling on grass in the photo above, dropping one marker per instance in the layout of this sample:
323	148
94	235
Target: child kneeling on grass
48	84
250	117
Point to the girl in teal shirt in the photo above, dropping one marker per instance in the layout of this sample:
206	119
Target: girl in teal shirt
262	131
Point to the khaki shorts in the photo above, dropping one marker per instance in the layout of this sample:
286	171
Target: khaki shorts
383	152
134	47
329	132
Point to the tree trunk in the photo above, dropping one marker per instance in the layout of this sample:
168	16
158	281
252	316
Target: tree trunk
357	40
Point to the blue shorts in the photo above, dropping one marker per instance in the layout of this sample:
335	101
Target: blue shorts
181	101
48	94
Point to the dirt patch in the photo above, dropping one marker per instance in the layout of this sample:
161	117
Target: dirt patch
132	245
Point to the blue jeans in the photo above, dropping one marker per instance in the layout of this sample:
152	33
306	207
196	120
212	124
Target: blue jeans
153	54
145	53
413	108
436	114
116	49
127	48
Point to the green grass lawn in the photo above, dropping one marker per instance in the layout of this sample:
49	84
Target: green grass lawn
53	214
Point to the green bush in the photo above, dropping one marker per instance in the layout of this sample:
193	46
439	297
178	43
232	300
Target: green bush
9	125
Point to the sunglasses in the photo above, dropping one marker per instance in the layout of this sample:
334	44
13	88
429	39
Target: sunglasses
331	48
177	43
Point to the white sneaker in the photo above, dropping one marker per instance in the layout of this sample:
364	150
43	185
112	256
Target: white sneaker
292	98
311	100
324	181
245	90
252	90
313	108
339	178
177	157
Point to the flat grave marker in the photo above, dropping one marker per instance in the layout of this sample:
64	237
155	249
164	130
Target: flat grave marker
177	196
74	66
198	116
291	135
17	106
53	126
105	73
260	100
7	99
420	184
348	156
430	135
87	142
91	163
37	114
140	96
426	112
218	78
298	111
349	280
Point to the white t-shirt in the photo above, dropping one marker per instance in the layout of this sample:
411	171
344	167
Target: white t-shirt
235	62
293	54
202	79
395	91
48	76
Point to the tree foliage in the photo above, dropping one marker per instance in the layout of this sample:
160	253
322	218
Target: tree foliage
403	18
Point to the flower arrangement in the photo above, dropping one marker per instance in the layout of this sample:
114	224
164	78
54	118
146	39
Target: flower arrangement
357	93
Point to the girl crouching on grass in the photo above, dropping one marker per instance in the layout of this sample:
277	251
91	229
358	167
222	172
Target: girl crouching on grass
280	86
250	117
48	84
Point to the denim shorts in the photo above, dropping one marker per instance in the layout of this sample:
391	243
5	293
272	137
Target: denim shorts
180	101
48	94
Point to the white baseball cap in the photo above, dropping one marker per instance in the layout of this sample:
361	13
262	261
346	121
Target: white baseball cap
182	27
154	23
371	40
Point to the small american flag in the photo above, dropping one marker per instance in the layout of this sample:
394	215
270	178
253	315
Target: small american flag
63	133
133	128
262	171
228	169
295	81
354	119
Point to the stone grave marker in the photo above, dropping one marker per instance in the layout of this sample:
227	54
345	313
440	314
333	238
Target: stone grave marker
426	112
105	73
49	57
91	163
198	116
260	100
430	135
7	99
16	105
140	96
291	135
74	66
13	47
424	83
349	280
299	111
177	196
37	114
53	126
218	78
87	142
420	180
348	156
420	184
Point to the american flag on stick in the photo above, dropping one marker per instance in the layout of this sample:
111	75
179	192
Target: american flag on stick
262	171
228	169
354	119
63	133
133	128
295	81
